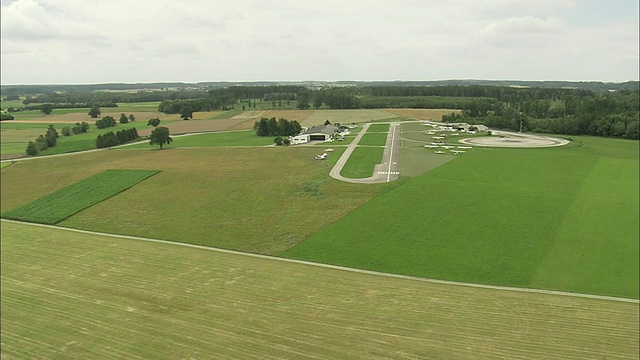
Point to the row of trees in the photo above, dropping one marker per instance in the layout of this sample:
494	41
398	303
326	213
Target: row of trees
273	127
43	142
624	125
109	121
78	128
110	138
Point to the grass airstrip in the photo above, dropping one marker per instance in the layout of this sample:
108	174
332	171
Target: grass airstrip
559	218
95	296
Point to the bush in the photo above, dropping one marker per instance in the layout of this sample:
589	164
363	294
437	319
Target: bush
66	131
105	122
153	122
6	117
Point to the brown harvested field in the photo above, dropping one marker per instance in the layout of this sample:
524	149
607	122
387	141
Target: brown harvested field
195	126
422	114
346	116
250	117
205	115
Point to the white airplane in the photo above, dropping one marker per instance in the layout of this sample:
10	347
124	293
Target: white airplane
437	143
431	146
457	152
465	147
328	150
430	133
322	157
438	152
437	137
446	147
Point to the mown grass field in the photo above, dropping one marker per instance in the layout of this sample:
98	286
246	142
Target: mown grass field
378	128
262	200
69	295
362	162
373	139
59	205
564	219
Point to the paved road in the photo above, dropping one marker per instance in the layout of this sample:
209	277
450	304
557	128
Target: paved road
388	170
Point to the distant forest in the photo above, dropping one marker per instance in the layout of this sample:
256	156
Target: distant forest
571	108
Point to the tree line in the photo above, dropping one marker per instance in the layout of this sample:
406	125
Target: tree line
273	127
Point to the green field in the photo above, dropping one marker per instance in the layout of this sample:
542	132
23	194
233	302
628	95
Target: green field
262	200
564	219
59	205
378	128
373	139
225	138
68	295
362	162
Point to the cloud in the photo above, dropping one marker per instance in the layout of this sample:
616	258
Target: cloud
200	40
28	20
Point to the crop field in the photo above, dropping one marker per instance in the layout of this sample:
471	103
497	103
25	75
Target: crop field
96	296
563	219
59	205
242	198
194	126
422	114
362	162
318	117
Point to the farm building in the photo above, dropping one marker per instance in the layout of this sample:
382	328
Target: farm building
320	133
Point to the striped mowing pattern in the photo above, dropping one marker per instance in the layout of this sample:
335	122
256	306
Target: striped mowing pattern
61	204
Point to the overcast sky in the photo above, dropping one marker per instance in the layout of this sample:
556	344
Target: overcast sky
106	41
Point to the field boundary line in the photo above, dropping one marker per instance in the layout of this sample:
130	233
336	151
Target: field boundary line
337	267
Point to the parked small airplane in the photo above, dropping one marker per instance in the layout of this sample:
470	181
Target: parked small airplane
465	147
438	152
446	147
322	157
457	152
431	146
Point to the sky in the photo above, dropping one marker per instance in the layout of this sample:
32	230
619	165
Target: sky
124	41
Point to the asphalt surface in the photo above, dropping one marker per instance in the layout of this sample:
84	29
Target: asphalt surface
388	170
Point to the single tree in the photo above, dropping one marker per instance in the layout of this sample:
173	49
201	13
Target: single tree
66	131
131	117
153	122
278	141
95	111
160	136
32	149
123	119
46	108
327	122
186	113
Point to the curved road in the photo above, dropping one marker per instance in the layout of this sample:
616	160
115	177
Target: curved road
388	170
